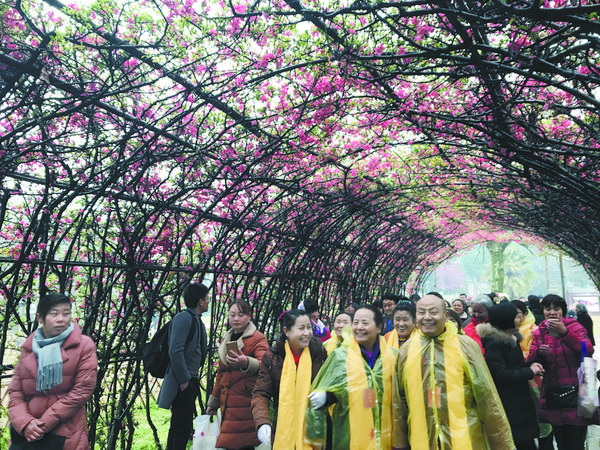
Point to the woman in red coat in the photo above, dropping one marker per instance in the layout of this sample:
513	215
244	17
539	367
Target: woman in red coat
236	377
557	346
54	378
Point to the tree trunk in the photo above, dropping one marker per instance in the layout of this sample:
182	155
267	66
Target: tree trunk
496	250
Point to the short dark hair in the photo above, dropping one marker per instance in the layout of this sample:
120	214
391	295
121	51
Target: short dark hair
502	315
556	300
47	302
288	319
311	305
193	293
376	313
408	306
533	300
342	313
521	306
389	296
459	300
243	306
456	317
414	298
437	294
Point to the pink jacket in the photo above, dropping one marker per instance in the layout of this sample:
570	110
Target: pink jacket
62	409
560	365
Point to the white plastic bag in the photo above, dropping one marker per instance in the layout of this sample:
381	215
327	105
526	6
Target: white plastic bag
588	388
206	431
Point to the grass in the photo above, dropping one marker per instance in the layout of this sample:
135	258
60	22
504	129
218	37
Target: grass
143	439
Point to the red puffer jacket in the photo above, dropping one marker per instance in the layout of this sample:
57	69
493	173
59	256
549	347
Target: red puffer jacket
560	362
233	390
62	409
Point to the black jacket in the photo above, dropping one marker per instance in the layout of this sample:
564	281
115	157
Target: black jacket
511	373
586	321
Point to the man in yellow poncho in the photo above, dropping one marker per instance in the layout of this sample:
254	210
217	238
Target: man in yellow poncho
444	395
357	380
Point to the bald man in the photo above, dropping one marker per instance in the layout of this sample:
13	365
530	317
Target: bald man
444	395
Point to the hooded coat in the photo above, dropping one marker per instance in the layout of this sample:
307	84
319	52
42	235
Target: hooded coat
62	409
511	373
560	365
266	388
233	390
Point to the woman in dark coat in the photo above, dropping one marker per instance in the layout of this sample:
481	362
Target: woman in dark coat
500	338
296	349
585	320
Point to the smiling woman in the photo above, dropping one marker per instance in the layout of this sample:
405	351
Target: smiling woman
357	380
284	378
557	345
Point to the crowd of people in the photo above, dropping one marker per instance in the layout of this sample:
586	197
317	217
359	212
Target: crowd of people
398	373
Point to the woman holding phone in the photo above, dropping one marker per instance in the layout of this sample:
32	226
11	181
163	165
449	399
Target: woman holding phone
240	353
557	345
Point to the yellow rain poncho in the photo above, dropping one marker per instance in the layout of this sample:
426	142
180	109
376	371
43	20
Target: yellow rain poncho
346	375
392	339
443	392
527	328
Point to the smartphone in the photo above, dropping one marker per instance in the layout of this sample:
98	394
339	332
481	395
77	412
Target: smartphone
232	346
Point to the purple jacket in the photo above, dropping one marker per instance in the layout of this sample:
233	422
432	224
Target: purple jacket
560	365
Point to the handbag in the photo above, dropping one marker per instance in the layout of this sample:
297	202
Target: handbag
48	442
564	396
561	397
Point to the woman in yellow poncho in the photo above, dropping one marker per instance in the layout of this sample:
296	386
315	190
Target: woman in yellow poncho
357	380
526	322
341	321
403	319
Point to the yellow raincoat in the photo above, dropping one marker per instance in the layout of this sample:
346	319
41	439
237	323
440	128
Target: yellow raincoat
527	328
346	375
443	392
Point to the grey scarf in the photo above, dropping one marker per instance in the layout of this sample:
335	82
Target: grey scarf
49	358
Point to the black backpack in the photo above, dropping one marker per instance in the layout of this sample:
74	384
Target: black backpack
155	354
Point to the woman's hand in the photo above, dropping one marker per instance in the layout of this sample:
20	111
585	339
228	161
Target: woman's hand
211	411
556	326
543	350
33	431
237	361
537	369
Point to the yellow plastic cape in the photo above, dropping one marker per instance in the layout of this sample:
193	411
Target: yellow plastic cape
393	340
293	392
346	375
526	329
331	344
445	397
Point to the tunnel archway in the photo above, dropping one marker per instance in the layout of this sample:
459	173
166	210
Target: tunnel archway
155	144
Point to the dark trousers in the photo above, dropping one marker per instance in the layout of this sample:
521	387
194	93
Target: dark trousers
527	445
570	437
183	411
